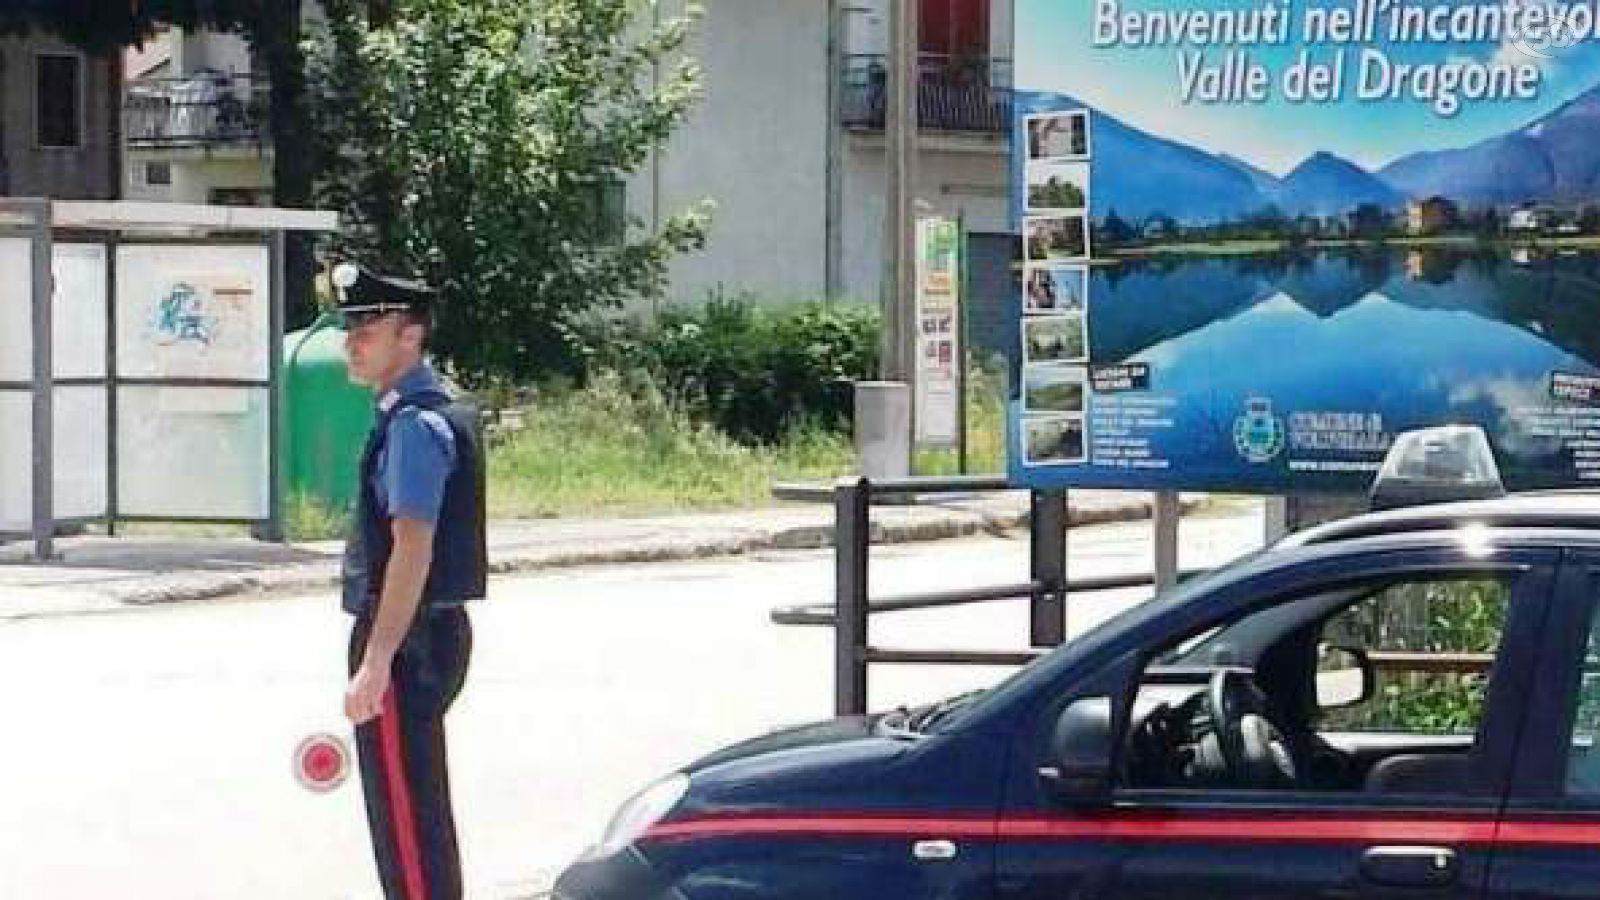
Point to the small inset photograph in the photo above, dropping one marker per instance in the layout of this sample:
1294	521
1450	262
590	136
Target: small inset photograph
1053	238
1053	440
1058	186
1055	289
1059	135
1055	389
1055	339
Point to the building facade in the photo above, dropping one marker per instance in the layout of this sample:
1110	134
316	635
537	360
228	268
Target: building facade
195	121
58	120
788	142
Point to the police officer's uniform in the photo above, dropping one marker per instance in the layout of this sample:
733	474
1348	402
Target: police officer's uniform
422	461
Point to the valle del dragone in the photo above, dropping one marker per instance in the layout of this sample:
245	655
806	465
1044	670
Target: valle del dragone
1260	241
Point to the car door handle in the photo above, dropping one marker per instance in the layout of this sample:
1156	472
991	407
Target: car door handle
1411	867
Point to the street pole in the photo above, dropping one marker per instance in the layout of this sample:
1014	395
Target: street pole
900	138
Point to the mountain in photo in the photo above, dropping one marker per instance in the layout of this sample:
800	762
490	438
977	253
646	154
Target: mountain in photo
1327	185
1554	159
1265	182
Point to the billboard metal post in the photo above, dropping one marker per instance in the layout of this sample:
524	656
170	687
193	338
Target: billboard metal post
1168	516
1276	526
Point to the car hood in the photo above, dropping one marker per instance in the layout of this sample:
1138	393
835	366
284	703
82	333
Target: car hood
816	734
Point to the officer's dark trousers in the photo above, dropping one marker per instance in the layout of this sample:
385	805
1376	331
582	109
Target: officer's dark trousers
404	772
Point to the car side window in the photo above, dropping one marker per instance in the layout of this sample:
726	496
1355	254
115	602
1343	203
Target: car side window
1583	759
1399	672
1431	645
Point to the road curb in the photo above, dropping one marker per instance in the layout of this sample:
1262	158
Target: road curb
923	527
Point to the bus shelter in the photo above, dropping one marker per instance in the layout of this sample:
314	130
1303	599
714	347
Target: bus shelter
140	364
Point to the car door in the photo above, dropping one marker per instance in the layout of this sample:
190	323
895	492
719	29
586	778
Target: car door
1232	844
1548	845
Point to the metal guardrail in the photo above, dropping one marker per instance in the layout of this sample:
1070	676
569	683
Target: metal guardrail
200	110
850	613
970	94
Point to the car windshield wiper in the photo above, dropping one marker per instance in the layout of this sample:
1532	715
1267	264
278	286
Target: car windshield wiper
923	720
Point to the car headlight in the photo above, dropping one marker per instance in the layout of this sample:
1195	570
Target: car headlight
641	813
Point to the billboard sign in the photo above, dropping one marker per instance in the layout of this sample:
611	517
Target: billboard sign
1260	240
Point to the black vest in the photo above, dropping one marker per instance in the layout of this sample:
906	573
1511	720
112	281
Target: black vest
460	568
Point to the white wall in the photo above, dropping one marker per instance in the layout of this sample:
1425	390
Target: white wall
968	182
757	145
196	172
211	50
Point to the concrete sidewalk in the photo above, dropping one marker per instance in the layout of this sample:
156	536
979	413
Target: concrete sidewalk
98	574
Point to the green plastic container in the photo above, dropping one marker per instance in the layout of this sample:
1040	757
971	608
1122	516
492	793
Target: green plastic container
326	416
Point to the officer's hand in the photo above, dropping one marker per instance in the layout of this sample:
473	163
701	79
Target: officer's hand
363	699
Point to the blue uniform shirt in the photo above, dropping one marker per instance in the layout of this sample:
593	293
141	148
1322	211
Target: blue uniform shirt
418	453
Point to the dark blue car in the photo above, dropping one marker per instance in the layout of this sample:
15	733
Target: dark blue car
1397	705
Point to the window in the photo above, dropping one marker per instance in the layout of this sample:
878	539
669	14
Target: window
954	28
1377	688
58	100
609	209
158	173
1431	645
1583	762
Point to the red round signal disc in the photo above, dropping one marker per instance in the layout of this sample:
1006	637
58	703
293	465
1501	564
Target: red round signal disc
321	763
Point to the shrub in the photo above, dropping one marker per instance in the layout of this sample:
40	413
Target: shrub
758	373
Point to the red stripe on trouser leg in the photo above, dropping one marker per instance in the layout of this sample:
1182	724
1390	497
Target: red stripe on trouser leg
401	814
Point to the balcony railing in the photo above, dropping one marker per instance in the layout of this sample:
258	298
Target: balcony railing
206	109
962	94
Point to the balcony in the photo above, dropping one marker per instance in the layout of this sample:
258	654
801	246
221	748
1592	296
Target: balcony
206	110
954	94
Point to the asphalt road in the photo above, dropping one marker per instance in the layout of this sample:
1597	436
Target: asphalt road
147	754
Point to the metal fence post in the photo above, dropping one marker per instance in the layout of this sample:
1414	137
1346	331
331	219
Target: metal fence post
852	506
1048	527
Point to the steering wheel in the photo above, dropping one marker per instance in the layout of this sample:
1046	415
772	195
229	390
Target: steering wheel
1253	750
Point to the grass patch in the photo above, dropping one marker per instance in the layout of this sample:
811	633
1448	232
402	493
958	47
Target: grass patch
986	430
309	518
619	447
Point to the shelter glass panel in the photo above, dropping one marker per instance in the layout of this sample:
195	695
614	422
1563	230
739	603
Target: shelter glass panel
193	452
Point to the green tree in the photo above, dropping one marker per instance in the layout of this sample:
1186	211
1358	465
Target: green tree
472	142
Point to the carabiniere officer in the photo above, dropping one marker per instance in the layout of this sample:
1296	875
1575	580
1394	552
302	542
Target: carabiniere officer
414	559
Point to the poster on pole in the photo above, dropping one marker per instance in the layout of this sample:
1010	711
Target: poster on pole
1260	239
938	376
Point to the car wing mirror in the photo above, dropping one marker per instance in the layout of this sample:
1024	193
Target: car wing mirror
1345	677
1079	764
